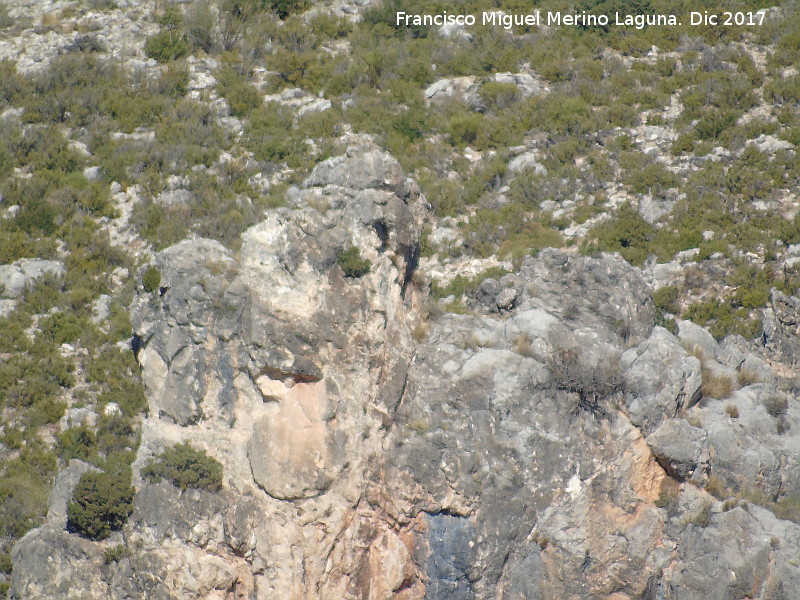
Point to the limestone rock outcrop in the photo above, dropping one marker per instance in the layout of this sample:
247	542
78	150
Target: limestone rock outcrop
552	442
22	274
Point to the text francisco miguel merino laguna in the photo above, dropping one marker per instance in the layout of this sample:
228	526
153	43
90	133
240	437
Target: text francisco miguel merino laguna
580	19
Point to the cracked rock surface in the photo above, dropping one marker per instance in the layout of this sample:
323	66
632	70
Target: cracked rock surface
550	443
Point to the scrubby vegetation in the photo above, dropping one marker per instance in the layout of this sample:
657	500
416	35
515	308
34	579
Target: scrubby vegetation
101	503
151	279
352	264
185	467
674	154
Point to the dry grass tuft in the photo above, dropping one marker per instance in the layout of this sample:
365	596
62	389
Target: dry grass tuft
523	345
716	386
420	332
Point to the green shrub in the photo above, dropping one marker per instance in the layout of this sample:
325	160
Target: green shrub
63	327
5	563
13	86
269	136
161	226
36	380
328	26
115	554
296	68
200	26
167	45
783	90
101	503
566	114
714	122
666	299
16	244
352	264
529	240
464	127
284	8
499	96
101	4
44	413
510	231
652	179
707	248
752	285
460	285
12	335
411	124
115	435
241	97
151	279
5	18
320	125
486	178
628	233
684	143
77	442
667	323
79	88
185	467
170	18
24	487
174	82
445	195
529	188
128	393
241	11
722	319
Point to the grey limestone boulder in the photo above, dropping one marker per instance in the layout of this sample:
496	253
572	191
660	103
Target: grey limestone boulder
61	493
51	563
782	327
662	377
20	275
525	82
678	447
737	555
75	417
358	170
527	160
697	340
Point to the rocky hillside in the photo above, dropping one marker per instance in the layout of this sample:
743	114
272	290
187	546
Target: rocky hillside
299	304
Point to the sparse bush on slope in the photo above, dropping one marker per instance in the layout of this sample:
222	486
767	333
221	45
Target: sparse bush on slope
185	467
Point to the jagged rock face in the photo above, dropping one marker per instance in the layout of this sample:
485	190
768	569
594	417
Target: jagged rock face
549	444
782	326
281	367
503	431
18	276
277	363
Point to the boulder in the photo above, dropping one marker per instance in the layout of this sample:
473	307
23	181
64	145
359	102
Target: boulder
61	494
527	160
22	274
662	377
678	447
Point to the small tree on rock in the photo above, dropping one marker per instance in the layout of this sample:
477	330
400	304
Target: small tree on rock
185	467
101	503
